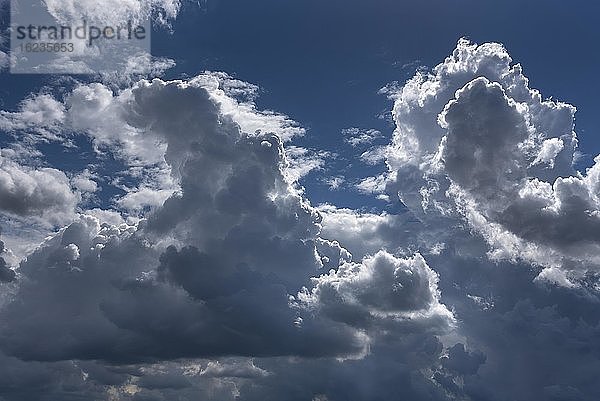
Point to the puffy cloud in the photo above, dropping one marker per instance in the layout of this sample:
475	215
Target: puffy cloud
472	139
84	182
41	192
374	155
364	233
302	161
99	112
210	271
380	286
37	119
373	185
232	279
215	269
484	165
34	200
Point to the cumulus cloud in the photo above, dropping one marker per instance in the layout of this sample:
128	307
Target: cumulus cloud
233	286
334	183
233	278
232	274
98	112
380	286
484	165
229	262
473	138
37	192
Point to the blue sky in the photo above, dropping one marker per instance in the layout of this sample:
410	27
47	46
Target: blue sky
154	246
341	53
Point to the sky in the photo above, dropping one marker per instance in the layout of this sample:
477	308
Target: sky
307	200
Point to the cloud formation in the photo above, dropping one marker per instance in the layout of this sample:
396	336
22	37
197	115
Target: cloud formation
229	285
474	139
230	264
27	191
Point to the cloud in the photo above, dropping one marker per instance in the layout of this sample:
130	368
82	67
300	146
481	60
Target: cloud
235	287
96	112
7	275
211	275
364	233
374	155
37	192
114	12
245	369
334	183
484	165
231	280
372	185
38	118
381	286
302	161
473	139
4	60
357	137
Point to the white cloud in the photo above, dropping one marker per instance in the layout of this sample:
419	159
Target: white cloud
374	155
210	271
360	233
334	183
84	182
373	185
302	161
357	137
549	150
381	286
472	137
43	193
4	59
112	12
236	213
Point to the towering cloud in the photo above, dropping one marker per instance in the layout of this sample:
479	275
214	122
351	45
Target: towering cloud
473	139
230	264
